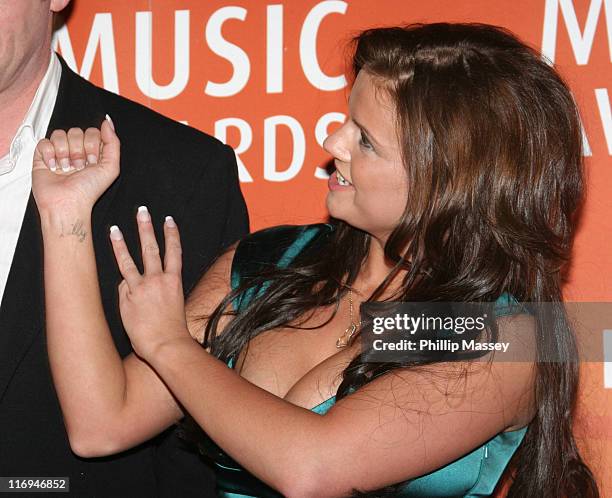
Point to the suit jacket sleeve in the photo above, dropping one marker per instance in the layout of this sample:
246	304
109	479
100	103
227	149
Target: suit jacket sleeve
237	221
179	472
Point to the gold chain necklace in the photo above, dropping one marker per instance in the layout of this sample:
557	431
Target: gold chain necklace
347	337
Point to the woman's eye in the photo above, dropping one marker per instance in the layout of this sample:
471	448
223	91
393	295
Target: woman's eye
364	142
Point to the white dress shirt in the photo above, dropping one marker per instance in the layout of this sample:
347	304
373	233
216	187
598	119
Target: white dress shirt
16	166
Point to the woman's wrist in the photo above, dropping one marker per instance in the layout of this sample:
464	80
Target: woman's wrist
70	218
171	351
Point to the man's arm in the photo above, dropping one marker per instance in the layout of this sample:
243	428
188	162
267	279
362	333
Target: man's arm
178	472
215	212
237	218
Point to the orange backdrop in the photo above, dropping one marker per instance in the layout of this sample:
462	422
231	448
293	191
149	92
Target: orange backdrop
268	79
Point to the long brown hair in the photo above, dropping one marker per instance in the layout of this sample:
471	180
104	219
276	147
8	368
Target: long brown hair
491	142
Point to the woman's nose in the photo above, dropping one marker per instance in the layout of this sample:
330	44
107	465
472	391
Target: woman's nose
335	144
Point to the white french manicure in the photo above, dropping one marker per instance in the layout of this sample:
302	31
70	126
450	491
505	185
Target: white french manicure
52	165
65	164
110	122
143	214
115	233
170	222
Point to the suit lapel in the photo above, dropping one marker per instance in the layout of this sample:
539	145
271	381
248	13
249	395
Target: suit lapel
22	310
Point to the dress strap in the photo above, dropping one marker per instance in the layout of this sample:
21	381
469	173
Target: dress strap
276	246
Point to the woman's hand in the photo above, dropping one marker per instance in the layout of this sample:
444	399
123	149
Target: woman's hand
152	305
74	168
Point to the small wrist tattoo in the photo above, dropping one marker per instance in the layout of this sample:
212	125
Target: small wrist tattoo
76	230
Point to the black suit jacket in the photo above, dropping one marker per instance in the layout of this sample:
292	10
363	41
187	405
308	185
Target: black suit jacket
174	170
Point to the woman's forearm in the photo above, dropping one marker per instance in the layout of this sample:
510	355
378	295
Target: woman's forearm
265	433
87	369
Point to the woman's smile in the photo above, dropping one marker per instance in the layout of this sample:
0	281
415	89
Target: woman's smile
338	182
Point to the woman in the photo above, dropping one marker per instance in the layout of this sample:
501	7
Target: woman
458	175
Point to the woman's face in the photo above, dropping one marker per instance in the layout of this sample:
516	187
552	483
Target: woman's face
369	187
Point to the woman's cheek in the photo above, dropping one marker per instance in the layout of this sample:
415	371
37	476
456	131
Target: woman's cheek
387	206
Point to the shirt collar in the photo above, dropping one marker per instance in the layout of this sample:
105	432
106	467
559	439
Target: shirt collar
36	120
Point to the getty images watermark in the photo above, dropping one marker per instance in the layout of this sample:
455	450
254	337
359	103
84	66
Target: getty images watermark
504	330
410	324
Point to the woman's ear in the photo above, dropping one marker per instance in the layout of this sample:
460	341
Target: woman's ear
58	5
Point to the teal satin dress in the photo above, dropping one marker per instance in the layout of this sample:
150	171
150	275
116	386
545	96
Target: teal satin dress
475	474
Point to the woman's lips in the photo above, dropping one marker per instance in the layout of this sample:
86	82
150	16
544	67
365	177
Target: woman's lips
333	183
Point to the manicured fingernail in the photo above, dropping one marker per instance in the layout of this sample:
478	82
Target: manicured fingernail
52	165
110	122
170	222
115	233
79	164
65	164
91	159
143	214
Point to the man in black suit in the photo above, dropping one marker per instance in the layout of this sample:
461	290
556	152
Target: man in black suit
171	168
